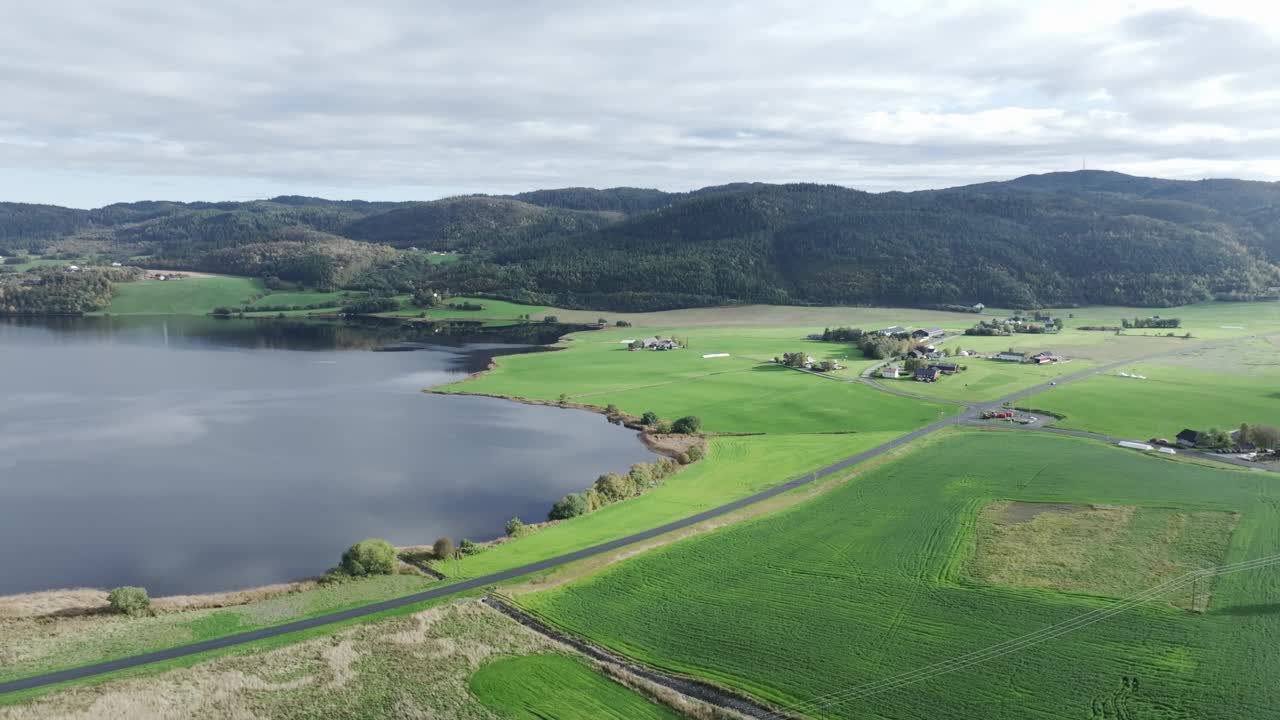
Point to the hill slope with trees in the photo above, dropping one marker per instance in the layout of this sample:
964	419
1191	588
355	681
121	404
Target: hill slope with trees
1054	239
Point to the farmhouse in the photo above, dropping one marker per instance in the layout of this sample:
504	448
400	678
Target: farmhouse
1044	358
1188	438
1011	356
947	368
918	353
890	371
655	343
928	374
928	333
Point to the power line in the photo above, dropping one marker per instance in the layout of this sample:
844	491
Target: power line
825	702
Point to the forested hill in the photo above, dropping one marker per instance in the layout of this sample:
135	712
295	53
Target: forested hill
1079	237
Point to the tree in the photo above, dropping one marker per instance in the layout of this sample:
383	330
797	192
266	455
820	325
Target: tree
650	418
515	527
601	321
1057	324
468	547
444	548
695	453
622	323
373	556
612	410
612	487
550	319
913	364
687	425
569	506
794	359
1266	437
636	345
129	600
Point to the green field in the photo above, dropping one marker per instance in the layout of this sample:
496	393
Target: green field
740	393
537	687
1169	399
307	297
192	296
871	580
735	467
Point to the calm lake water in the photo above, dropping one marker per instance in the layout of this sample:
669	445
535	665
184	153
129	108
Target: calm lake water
189	455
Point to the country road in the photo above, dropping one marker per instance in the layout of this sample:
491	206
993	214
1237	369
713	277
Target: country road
966	417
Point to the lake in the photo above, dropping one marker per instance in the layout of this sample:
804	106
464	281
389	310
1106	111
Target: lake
190	455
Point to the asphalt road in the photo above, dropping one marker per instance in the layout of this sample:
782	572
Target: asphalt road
101	668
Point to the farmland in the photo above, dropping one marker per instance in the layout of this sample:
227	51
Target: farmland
534	687
739	393
1170	398
873	580
191	296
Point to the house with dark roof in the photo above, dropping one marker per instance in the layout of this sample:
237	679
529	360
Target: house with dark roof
927	374
1189	438
928	333
1011	356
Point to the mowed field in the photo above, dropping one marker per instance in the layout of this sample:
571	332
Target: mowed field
192	296
739	393
537	687
877	578
1219	387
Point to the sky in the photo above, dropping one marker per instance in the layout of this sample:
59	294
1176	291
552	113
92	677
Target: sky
115	100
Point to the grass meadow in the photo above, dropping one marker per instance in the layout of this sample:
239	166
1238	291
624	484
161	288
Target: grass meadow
536	687
192	296
1172	397
734	467
739	393
875	579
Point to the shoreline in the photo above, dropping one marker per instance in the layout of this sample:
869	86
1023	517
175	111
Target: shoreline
68	602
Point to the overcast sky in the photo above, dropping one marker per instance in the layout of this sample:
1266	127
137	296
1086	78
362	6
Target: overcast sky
111	100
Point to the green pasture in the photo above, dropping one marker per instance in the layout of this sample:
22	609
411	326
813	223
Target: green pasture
1169	399
734	467
739	393
537	687
872	580
191	296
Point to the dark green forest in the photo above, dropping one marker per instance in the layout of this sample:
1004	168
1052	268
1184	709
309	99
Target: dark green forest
1042	240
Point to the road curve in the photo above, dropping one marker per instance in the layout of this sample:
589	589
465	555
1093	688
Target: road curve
87	671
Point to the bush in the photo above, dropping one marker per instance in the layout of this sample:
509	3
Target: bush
515	527
569	506
687	425
467	547
612	410
612	487
373	556
641	475
650	418
622	323
129	600
550	319
695	453
443	548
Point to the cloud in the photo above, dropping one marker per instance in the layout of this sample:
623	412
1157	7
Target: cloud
396	99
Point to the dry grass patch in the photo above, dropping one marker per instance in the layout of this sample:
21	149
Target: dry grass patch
1097	549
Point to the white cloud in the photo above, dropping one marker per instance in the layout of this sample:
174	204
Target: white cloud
398	98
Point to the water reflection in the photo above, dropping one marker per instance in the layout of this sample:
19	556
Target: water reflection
238	453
